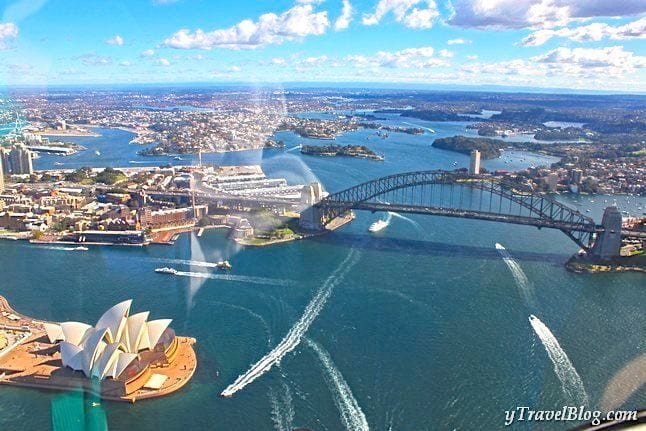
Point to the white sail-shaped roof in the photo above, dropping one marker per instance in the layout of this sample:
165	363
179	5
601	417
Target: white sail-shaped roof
71	356
75	332
107	360
155	330
93	348
136	331
107	349
115	320
54	332
122	363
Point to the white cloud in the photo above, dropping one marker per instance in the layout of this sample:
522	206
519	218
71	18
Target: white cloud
501	14
344	20
278	61
472	57
8	30
163	62
125	63
611	60
147	53
458	41
116	40
416	58
94	59
445	53
234	69
590	32
565	64
295	23
314	61
405	12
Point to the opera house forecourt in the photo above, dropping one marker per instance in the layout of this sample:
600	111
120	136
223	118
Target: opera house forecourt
124	357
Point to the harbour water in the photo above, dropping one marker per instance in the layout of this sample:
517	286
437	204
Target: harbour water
424	327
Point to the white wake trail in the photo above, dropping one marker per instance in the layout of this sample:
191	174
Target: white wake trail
55	247
411	221
571	382
297	147
241	278
295	334
524	285
282	409
352	416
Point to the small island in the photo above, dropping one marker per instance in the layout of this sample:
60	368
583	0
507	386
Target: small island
489	148
358	151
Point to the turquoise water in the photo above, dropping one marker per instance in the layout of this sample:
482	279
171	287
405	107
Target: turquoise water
426	326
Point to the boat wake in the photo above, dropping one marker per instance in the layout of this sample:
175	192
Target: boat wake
282	408
352	416
297	147
571	382
524	285
409	220
56	247
295	334
240	278
421	127
199	263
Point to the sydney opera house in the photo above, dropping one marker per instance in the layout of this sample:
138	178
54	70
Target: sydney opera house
123	356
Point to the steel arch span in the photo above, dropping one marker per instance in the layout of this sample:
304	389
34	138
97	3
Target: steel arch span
457	194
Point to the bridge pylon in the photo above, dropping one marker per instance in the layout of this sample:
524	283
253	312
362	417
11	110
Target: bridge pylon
608	242
311	219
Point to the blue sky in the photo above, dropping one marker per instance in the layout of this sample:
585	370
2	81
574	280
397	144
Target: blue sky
580	44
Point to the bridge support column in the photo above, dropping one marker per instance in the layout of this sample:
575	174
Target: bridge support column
608	242
311	219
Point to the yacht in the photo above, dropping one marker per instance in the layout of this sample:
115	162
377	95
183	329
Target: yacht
224	264
377	226
166	270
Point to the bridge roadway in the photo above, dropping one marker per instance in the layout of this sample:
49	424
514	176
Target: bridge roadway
471	214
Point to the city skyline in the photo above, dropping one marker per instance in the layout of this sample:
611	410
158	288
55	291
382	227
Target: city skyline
592	45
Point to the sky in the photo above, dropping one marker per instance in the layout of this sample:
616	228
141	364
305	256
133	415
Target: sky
576	44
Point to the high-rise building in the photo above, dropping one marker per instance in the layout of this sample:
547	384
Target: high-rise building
575	176
552	181
6	162
21	161
474	166
1	176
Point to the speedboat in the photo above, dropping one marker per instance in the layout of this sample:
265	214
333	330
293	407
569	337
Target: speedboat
166	270
377	226
81	248
223	264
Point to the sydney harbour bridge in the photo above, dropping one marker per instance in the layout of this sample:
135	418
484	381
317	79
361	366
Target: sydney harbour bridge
481	197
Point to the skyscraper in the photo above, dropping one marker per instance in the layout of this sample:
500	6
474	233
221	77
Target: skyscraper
21	161
1	176
474	166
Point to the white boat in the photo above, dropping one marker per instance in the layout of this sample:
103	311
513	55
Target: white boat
81	248
377	226
97	152
223	264
166	270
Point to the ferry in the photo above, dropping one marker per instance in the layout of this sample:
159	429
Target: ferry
224	264
166	270
377	226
